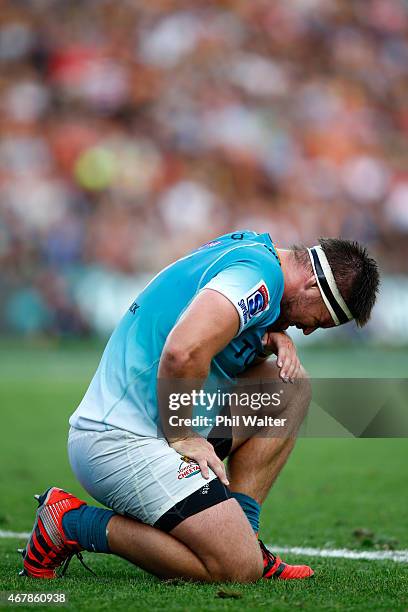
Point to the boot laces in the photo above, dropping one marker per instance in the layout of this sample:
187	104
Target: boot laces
67	561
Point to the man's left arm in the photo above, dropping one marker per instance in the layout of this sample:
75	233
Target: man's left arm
281	345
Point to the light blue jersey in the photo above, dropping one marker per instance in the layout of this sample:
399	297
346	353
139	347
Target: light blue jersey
244	267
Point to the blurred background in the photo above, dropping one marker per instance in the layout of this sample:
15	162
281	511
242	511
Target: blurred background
131	132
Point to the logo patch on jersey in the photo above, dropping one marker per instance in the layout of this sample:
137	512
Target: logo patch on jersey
134	307
254	302
209	244
187	468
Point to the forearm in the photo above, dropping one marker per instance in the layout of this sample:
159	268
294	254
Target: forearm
186	377
178	381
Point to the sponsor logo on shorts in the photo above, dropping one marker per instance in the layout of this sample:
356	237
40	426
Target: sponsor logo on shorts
187	468
254	302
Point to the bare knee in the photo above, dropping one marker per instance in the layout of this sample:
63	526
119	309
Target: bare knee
222	538
305	389
244	565
237	569
294	401
268	373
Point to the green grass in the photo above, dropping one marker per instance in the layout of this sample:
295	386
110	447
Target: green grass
343	585
329	488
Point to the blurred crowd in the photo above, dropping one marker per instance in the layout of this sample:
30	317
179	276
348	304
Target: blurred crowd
131	132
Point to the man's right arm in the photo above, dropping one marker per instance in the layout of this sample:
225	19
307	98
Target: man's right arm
208	325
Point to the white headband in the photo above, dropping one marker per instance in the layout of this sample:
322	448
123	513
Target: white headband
331	295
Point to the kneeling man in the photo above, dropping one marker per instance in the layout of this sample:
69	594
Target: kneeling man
217	314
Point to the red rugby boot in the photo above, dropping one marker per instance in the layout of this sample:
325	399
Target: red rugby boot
275	568
48	548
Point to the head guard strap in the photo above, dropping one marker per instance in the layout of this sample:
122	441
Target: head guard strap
331	295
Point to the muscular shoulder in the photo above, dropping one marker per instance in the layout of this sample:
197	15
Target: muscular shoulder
250	276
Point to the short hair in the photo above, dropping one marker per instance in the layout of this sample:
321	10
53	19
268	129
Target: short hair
355	272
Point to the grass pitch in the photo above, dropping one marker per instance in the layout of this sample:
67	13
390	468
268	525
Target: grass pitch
328	490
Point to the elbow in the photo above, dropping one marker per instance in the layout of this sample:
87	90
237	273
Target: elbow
180	361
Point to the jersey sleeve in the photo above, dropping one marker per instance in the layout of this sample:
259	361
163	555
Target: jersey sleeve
255	294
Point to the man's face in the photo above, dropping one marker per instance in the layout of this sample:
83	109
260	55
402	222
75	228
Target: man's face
307	312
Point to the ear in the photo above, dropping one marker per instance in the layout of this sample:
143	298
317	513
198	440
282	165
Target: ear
311	283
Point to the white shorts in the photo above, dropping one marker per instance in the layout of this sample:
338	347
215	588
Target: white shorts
141	477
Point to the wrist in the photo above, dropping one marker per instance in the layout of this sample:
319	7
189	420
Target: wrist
265	353
183	436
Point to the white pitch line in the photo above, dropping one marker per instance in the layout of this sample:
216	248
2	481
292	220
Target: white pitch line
399	556
14	534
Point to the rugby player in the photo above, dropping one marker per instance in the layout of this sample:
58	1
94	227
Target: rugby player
175	510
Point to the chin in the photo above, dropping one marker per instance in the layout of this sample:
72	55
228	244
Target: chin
279	326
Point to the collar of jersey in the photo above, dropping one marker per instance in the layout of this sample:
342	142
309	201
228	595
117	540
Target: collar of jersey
270	246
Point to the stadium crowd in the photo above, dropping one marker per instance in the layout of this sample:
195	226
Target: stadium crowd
133	131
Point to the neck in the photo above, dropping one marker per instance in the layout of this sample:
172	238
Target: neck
290	272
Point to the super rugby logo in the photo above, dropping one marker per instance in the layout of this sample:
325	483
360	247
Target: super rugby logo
254	302
187	468
258	300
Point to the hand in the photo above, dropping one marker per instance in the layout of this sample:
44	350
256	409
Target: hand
281	345
203	453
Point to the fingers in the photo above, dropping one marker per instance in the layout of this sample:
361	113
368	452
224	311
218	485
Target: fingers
293	369
289	364
213	462
284	363
218	468
207	458
202	462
